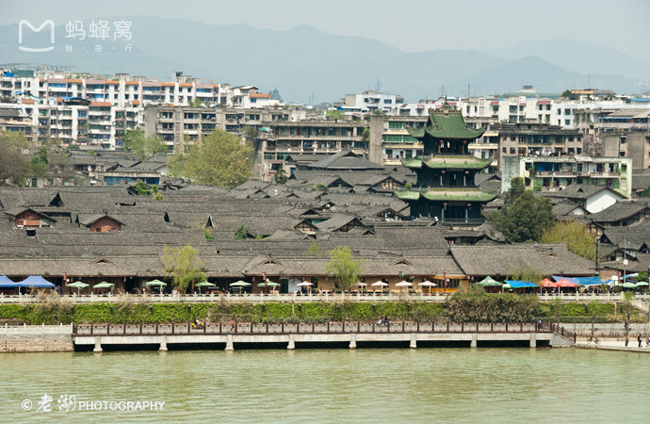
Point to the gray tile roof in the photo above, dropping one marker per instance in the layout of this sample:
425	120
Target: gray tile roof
501	260
344	159
632	237
579	191
267	210
617	212
564	209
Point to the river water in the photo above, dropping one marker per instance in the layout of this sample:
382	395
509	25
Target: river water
330	385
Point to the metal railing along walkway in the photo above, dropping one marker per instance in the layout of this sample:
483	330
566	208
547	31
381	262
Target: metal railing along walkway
330	327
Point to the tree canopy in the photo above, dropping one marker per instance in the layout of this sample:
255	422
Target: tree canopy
183	265
143	147
341	265
38	165
280	177
275	95
14	166
524	217
576	236
250	133
569	95
241	233
220	159
517	188
196	103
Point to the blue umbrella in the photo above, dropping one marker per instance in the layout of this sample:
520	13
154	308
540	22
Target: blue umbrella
36	281
6	283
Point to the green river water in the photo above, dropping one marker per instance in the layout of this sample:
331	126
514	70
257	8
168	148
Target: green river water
330	385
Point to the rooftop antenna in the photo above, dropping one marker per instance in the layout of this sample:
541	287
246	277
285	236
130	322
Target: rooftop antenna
378	85
443	91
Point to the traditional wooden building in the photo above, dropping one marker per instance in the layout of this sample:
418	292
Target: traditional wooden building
446	188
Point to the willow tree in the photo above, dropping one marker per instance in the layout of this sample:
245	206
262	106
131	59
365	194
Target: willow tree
183	266
576	236
341	265
220	159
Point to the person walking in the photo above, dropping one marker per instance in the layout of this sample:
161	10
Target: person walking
639	340
627	340
233	325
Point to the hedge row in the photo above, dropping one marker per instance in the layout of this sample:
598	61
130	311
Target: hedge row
459	308
152	313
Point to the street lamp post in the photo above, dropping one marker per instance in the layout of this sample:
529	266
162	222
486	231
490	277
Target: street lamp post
624	258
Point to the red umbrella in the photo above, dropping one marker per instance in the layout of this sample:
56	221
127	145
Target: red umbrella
565	283
546	283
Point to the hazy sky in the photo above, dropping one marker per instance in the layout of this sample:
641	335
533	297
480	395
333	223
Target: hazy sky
411	25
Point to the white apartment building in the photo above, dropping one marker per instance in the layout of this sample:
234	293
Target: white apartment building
94	112
122	90
89	125
370	101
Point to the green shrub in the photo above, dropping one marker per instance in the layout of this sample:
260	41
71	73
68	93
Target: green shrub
484	307
462	307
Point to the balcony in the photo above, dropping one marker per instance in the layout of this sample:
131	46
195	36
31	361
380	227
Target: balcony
604	174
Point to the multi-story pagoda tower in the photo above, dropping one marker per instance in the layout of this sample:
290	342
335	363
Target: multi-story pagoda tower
445	185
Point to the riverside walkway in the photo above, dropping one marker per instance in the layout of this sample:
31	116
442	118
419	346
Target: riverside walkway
351	333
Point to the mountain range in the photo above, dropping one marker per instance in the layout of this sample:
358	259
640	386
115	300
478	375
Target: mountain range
305	64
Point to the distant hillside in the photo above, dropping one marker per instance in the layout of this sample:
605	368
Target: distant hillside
304	62
578	57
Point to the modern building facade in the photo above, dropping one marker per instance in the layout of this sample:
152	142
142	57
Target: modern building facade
556	173
626	133
371	101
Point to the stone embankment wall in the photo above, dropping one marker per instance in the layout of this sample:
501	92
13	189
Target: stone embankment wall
46	338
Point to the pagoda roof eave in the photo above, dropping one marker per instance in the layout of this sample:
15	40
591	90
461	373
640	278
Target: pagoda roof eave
417	133
460	195
406	194
413	163
464	134
454	163
450	195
